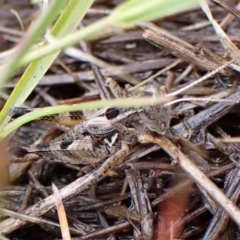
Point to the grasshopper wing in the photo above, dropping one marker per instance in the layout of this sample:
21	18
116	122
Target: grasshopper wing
83	151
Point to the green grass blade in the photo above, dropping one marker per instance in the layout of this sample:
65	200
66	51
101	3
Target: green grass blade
67	22
135	11
77	107
127	14
36	30
67	41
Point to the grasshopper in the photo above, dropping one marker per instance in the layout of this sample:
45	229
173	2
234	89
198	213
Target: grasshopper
93	140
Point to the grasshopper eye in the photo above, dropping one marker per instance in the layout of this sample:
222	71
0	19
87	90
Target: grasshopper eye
112	113
16	112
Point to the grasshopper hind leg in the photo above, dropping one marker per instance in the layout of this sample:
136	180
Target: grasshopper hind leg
83	151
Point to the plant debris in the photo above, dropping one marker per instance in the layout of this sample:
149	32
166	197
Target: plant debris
169	186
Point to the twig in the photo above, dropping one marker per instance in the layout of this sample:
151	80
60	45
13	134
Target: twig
200	178
67	192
